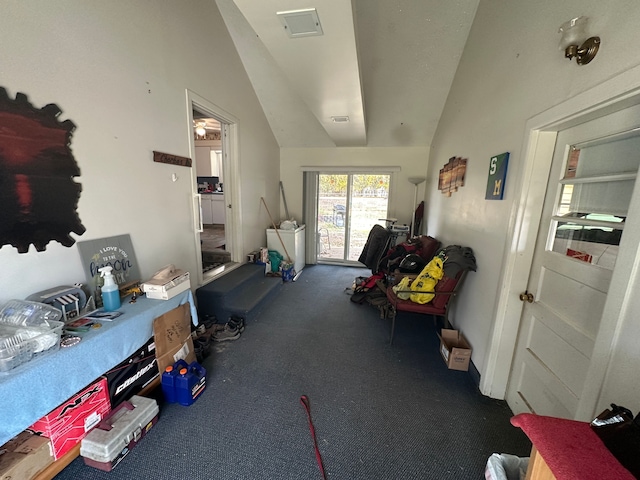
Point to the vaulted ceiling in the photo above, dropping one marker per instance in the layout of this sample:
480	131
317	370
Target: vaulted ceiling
387	65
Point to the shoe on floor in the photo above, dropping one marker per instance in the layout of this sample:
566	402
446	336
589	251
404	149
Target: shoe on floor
236	322
228	333
207	321
201	346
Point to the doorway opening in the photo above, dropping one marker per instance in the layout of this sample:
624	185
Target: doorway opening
348	206
210	179
213	138
590	192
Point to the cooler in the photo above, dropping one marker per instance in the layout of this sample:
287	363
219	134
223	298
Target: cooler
114	437
293	241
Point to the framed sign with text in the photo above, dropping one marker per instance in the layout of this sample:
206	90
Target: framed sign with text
497	176
116	252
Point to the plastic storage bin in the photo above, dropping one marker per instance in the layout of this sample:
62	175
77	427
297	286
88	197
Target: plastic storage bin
29	314
113	438
19	344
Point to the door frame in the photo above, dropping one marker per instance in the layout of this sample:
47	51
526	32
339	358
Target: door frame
541	130
231	174
310	203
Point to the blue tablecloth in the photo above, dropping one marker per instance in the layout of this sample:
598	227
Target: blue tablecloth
33	389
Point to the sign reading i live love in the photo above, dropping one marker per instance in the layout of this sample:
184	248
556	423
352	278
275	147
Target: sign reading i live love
171	159
497	176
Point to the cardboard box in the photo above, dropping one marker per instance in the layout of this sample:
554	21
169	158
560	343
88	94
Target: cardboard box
68	424
133	374
167	286
455	349
172	336
24	456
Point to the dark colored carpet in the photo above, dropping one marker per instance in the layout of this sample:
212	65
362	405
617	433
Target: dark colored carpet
380	411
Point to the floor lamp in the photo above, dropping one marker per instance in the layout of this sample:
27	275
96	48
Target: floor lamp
416	181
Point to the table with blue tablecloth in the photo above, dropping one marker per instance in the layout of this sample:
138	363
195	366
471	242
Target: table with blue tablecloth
30	391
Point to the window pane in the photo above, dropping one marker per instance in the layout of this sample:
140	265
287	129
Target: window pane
594	198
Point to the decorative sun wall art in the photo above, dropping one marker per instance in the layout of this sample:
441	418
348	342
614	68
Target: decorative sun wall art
38	195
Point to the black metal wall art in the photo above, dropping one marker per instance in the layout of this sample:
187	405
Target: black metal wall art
38	194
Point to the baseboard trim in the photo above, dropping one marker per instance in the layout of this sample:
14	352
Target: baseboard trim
474	374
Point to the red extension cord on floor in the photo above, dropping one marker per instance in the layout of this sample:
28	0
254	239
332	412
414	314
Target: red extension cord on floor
304	400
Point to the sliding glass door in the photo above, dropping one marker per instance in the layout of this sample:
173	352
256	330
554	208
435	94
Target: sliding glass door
348	205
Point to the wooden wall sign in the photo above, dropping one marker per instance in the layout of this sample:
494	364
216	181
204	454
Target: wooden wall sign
171	159
116	252
452	175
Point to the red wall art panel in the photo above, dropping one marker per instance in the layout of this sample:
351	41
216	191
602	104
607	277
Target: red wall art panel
38	193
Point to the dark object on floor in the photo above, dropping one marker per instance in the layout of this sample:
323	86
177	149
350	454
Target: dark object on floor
375	248
202	346
620	432
236	322
368	290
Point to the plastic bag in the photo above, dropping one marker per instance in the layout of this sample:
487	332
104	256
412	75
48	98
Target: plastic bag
275	258
404	284
502	466
427	281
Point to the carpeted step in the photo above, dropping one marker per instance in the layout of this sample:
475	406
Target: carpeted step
236	293
247	300
232	280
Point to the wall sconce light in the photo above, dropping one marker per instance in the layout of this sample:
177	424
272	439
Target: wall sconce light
573	32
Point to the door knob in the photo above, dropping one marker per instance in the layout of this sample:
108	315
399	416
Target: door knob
526	297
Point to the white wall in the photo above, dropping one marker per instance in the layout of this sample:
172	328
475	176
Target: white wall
119	70
511	70
411	161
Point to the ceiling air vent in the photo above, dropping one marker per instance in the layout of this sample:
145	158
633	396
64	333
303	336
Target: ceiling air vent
340	119
301	23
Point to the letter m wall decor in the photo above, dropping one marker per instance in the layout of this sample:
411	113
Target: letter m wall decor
497	176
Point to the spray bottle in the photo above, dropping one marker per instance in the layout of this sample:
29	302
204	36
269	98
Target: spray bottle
110	292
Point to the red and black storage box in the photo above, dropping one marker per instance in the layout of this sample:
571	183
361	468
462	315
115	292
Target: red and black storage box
132	375
113	438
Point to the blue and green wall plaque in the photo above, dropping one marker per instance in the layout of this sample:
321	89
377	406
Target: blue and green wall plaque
497	176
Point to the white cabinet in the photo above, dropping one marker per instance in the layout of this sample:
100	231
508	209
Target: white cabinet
293	241
208	162
213	208
203	162
207	217
218	209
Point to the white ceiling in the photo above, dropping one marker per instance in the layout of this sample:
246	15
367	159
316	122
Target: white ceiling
386	64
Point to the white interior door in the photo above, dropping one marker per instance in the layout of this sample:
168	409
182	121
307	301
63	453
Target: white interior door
580	243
